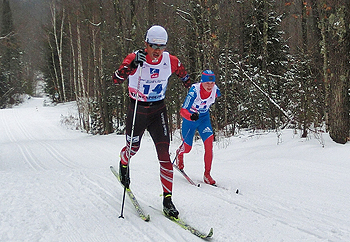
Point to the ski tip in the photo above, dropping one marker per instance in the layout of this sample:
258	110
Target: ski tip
211	232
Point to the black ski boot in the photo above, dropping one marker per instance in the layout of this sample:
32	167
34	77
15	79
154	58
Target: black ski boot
124	175
168	206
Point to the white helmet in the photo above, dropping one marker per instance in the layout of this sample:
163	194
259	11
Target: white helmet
156	35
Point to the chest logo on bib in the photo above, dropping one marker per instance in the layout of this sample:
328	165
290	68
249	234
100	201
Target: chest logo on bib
154	73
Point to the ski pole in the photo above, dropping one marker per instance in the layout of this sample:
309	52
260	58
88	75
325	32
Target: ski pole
131	137
183	141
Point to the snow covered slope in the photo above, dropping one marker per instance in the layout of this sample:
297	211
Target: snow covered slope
56	185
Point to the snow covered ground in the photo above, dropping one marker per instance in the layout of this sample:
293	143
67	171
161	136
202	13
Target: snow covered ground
56	185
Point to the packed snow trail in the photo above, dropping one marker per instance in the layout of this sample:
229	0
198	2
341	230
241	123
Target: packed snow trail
56	185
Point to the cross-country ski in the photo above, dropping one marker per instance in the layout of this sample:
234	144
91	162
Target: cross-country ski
133	199
145	217
190	228
186	176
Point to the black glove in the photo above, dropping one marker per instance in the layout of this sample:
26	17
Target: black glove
139	58
194	116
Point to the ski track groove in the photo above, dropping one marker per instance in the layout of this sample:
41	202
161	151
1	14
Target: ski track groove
49	148
21	126
7	129
30	159
62	213
28	156
276	214
110	200
222	195
153	224
101	193
322	222
78	209
54	153
59	157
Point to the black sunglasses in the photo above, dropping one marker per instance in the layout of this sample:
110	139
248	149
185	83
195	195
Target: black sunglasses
155	46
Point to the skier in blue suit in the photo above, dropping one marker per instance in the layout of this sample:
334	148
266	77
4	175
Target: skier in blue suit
195	116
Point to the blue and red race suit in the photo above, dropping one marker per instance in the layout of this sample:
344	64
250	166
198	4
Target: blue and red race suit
198	100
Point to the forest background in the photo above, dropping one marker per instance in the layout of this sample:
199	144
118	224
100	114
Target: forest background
278	63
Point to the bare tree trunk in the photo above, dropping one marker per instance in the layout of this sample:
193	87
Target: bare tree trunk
60	56
339	79
324	48
339	101
84	100
77	89
106	113
59	44
152	17
55	81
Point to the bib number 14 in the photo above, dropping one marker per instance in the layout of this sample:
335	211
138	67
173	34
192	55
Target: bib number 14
158	89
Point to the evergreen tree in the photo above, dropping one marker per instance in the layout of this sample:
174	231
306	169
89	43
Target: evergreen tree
11	82
265	56
303	90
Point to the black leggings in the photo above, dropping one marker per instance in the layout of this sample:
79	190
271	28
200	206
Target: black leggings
153	118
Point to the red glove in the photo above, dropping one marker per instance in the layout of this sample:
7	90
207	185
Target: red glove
115	79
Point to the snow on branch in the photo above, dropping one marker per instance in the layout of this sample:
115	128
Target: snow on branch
179	12
6	36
